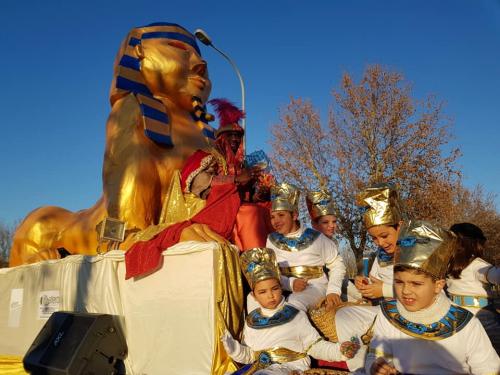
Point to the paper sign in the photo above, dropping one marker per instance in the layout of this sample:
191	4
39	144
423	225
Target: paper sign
49	301
15	307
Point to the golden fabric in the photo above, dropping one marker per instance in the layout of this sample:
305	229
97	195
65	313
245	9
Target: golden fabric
259	264
285	197
177	207
229	306
382	205
425	246
319	203
305	272
11	365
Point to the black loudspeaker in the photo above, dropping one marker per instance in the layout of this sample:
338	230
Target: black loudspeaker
78	344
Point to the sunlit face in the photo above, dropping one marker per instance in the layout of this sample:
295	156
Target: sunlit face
416	291
268	293
385	237
174	70
284	222
326	224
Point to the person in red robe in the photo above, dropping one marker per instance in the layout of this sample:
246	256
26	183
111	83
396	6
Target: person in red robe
253	222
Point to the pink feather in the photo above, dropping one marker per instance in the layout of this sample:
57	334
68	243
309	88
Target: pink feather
227	112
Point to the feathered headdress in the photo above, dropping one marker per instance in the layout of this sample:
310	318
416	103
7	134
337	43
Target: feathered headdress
229	116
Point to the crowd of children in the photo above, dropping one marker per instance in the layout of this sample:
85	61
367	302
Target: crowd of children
420	331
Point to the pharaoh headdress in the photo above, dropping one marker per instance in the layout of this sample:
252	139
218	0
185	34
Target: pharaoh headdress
128	79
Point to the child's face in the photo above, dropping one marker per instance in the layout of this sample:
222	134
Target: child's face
385	237
268	293
326	224
416	291
283	221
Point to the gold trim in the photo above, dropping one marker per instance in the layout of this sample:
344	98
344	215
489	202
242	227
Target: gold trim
462	300
281	355
305	272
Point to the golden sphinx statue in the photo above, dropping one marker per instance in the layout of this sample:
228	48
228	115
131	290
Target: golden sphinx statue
157	120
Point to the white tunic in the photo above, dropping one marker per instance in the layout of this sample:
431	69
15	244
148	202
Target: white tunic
321	252
473	280
386	275
297	335
467	351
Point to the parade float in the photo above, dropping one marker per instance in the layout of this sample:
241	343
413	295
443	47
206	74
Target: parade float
172	312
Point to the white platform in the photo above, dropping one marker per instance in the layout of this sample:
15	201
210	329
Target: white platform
168	316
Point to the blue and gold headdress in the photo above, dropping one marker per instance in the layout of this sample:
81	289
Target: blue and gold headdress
319	203
128	79
259	264
425	246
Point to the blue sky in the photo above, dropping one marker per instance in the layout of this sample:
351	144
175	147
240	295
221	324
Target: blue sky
57	57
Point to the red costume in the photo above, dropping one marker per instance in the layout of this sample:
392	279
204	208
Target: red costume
253	222
219	215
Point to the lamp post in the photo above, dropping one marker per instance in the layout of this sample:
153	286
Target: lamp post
203	37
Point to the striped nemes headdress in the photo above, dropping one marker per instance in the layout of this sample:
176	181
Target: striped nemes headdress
129	79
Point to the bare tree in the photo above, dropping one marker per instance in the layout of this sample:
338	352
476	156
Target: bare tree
6	233
376	132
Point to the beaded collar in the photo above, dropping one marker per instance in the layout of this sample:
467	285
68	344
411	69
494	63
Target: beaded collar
284	315
455	319
384	259
294	243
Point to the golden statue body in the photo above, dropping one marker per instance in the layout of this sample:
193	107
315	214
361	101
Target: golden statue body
157	120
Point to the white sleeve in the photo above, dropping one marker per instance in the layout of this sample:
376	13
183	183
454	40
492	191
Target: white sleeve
387	288
314	344
481	357
335	265
287	283
240	353
380	344
326	351
488	274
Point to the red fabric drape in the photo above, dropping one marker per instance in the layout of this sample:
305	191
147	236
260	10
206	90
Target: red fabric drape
219	214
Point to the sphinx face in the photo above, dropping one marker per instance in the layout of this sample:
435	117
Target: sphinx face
173	70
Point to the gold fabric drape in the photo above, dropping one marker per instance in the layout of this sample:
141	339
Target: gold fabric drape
11	365
228	305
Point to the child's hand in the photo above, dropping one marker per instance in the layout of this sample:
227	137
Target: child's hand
373	290
381	367
332	300
299	285
240	353
360	281
230	344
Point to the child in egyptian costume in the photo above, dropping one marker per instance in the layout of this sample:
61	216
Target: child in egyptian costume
382	219
277	337
471	279
321	209
302	253
422	331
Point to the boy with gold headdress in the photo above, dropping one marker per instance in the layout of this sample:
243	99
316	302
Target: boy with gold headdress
321	209
302	253
277	337
382	220
421	331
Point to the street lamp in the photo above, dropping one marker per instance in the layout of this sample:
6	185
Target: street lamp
205	39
